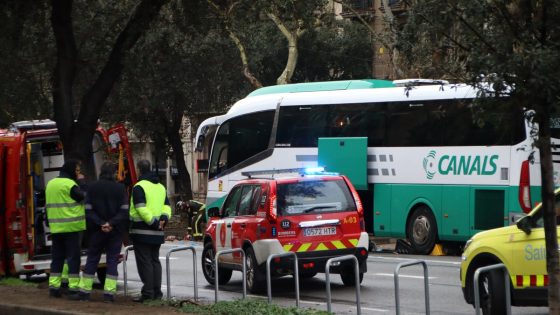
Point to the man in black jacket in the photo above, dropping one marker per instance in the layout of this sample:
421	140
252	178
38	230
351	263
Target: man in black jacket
107	221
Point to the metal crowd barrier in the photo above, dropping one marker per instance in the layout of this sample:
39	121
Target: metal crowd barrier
426	289
357	279
229	251
268	276
125	276
477	290
168	269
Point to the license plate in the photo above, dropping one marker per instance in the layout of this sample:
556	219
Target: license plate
319	231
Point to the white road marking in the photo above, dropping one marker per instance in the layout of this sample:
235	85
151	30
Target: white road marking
403	276
441	262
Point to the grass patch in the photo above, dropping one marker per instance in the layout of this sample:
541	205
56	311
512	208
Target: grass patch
16	282
245	307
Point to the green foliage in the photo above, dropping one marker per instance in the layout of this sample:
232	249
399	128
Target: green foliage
247	306
16	282
337	50
25	61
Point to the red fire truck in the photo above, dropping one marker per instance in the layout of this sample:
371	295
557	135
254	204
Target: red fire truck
31	154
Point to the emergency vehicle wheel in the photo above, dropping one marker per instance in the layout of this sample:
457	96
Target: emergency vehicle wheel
208	269
422	230
255	283
348	277
492	292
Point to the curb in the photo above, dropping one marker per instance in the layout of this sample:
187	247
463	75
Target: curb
15	309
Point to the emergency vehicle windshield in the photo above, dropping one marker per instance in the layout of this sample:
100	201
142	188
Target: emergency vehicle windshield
538	213
317	196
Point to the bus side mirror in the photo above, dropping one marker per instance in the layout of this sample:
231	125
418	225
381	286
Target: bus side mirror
214	212
202	166
525	224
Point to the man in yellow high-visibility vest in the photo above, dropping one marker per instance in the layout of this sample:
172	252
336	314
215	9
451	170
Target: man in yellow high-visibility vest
149	213
66	219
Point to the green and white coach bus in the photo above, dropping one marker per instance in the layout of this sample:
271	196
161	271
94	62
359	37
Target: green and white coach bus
438	165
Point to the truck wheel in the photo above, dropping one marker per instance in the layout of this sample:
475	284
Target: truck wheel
208	267
255	281
348	277
422	230
492	292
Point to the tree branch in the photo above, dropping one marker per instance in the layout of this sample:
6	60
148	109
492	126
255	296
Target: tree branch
94	99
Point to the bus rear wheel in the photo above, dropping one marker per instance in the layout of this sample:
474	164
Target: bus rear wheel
422	230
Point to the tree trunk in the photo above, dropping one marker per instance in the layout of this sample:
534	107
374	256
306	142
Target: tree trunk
77	136
64	72
549	214
292	37
174	138
291	63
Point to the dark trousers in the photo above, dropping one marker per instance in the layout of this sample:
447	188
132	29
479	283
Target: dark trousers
66	246
149	269
100	241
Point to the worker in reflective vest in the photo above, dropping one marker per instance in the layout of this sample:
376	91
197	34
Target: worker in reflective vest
149	213
66	219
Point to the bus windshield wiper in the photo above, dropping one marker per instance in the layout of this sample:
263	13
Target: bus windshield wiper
316	208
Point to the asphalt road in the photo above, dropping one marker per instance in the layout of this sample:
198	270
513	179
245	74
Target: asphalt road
377	290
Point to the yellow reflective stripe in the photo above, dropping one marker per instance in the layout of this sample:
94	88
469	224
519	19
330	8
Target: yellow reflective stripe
86	283
338	244
321	246
74	219
526	281
146	232
288	247
354	241
540	280
110	286
55	281
137	219
62	205
304	247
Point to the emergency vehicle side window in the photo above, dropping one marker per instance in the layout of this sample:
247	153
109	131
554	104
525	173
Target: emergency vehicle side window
246	198
256	200
230	206
539	222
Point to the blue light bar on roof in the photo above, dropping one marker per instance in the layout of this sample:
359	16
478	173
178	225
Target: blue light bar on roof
317	171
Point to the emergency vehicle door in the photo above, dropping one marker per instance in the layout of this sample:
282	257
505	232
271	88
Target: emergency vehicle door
3	156
3	150
224	226
244	224
529	255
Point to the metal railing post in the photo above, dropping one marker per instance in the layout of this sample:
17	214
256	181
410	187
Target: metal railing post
269	280
168	269
356	275
125	276
244	270
426	286
477	290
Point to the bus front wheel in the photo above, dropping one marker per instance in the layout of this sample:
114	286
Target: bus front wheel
422	230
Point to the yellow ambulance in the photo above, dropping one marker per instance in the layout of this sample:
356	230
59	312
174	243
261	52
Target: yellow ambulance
521	248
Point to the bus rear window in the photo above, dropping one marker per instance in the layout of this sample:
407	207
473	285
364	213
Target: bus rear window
317	196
